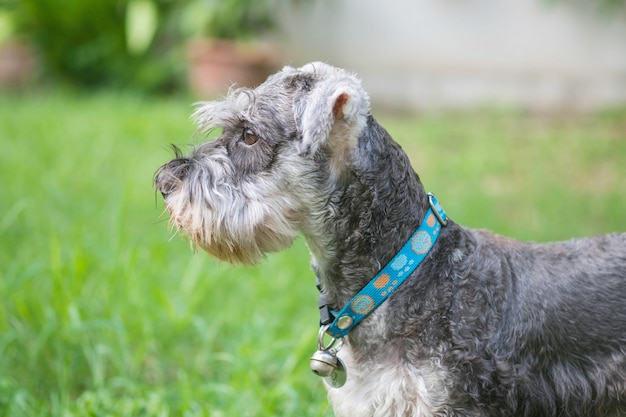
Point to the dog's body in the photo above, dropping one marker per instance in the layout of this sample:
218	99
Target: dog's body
485	326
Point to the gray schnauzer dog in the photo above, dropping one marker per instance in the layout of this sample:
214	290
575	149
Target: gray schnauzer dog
473	324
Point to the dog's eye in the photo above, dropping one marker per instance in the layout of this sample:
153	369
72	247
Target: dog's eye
249	137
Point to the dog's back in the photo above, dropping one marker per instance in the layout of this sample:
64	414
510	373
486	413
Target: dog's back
545	323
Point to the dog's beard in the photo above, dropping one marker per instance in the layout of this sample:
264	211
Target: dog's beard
234	223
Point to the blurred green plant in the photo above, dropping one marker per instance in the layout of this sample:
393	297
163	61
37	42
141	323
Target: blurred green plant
128	43
233	19
119	43
605	7
615	3
6	25
229	19
608	5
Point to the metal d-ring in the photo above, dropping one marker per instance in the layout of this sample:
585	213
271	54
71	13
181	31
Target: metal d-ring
331	344
434	205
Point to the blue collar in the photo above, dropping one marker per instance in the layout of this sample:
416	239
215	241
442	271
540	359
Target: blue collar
393	274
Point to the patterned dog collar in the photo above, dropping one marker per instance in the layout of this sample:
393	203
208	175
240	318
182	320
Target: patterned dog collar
393	274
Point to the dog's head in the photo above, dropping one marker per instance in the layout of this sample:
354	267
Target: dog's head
268	174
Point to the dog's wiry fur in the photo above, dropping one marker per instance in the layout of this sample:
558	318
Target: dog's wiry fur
486	326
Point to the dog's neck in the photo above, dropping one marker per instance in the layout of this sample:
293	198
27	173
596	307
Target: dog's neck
368	216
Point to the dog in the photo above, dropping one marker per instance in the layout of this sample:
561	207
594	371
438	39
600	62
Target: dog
476	324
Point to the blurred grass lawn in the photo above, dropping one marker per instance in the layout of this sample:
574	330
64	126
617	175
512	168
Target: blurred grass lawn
103	314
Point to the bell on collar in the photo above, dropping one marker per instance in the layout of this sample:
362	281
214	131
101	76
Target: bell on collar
323	363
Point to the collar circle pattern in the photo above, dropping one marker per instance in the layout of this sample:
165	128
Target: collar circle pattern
393	274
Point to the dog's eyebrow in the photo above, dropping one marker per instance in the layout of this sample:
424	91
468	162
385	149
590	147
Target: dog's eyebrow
227	112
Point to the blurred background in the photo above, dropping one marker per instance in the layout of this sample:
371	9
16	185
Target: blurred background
542	55
513	113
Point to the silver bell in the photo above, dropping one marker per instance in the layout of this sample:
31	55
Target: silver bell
323	363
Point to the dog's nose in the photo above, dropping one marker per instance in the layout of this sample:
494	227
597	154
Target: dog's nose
169	177
165	183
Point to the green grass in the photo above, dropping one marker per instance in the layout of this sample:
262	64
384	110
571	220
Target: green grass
104	314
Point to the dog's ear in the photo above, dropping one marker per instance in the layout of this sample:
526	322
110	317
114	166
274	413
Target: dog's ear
334	113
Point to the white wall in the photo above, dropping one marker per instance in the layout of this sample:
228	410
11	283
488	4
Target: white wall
430	54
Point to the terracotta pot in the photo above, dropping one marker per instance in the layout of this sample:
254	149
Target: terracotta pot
17	64
215	65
